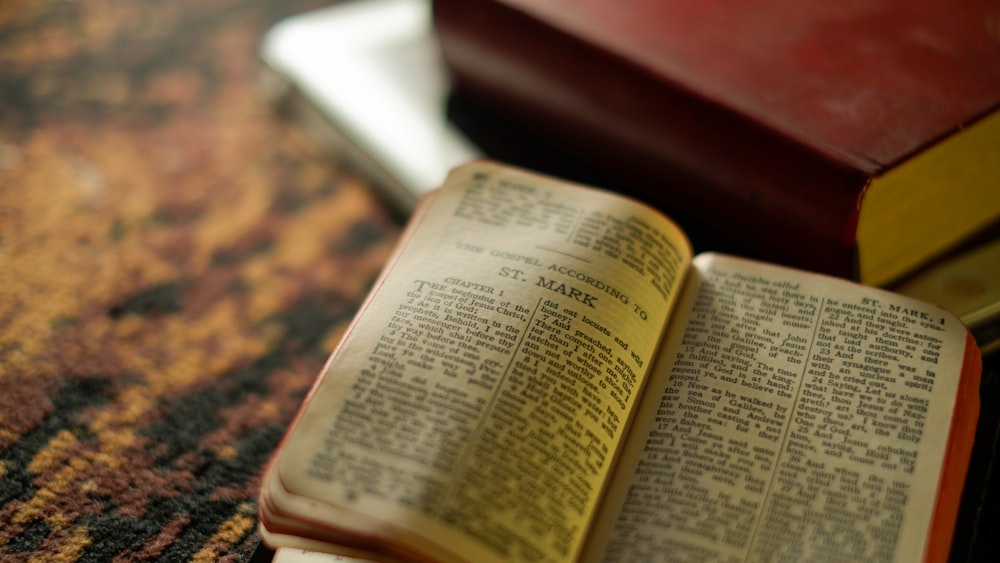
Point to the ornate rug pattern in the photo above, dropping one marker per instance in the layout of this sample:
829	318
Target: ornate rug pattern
175	265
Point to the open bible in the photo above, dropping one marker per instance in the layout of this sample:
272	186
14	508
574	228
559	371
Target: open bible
544	372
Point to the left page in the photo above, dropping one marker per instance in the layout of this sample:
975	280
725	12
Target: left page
475	406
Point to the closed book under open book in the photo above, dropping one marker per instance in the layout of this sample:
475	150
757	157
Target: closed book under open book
860	139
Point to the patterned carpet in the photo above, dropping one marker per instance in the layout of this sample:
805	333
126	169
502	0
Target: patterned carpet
175	265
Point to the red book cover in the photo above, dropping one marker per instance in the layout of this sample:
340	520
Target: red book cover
768	122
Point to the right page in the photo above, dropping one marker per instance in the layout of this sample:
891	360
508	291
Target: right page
794	416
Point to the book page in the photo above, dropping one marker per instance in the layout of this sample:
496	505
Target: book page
482	395
792	417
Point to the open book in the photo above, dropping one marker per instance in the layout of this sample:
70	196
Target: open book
544	372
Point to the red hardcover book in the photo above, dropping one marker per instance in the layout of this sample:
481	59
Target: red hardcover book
860	139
